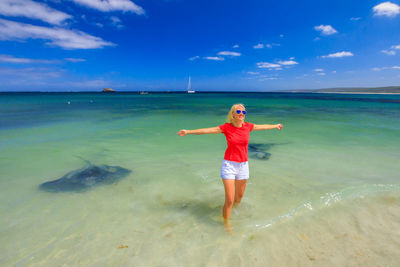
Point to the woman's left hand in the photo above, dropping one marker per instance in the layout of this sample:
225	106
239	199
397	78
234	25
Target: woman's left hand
183	132
279	126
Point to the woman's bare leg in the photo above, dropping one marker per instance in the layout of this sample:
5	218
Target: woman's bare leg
240	186
229	186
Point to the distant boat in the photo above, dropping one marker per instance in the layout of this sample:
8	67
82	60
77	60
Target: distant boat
144	93
108	90
189	90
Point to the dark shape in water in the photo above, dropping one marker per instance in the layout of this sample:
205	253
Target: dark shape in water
258	151
84	179
261	155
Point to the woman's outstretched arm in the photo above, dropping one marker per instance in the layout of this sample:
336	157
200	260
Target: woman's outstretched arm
267	127
212	130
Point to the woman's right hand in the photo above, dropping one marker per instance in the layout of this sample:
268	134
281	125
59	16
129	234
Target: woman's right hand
183	132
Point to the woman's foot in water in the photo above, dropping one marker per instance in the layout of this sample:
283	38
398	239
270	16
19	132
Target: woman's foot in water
228	227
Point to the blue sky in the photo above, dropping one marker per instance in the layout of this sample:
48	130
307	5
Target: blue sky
85	45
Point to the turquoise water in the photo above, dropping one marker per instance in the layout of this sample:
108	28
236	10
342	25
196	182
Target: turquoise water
328	195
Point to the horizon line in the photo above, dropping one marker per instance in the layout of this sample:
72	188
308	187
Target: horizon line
205	91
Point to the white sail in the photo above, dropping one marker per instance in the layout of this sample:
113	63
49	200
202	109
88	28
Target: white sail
189	89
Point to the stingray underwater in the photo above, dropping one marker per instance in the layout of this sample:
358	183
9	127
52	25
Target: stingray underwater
81	180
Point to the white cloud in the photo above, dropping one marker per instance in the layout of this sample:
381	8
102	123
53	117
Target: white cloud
235	46
321	73
389	52
215	58
12	59
75	59
386	68
64	38
355	18
112	5
281	35
275	66
325	29
229	53
388	9
318	69
194	58
334	71
339	54
33	10
317	39
266	65
116	22
260	45
288	62
267	76
267	79
253	72
115	19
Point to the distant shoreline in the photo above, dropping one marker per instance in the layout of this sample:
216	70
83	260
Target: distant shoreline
358	93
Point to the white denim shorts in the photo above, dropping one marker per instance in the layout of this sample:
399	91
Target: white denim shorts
234	170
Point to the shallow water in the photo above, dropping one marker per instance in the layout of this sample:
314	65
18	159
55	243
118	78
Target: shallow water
328	195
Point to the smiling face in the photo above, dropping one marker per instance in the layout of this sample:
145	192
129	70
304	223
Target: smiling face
234	116
239	117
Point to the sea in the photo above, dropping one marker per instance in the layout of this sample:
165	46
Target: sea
327	194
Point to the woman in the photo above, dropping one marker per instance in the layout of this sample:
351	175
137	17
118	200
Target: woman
235	168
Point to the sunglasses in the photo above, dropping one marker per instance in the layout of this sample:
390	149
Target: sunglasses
241	111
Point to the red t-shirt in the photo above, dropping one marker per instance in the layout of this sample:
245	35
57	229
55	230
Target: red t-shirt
238	140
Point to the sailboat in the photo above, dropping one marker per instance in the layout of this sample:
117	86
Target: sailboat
189	90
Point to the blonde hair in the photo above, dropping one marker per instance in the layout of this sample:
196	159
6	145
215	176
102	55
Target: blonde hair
229	118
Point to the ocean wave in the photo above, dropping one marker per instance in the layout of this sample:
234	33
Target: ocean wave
329	199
